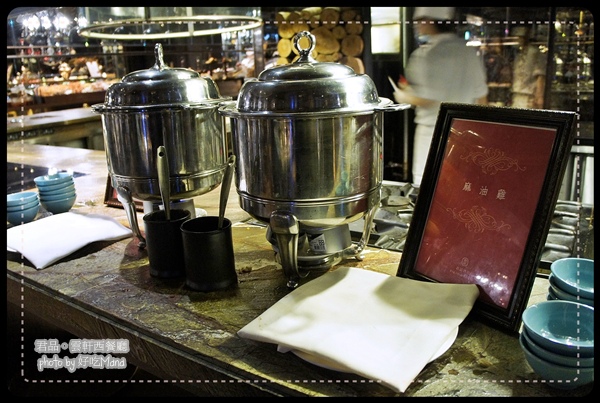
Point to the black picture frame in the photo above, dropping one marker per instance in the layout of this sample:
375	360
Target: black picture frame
463	232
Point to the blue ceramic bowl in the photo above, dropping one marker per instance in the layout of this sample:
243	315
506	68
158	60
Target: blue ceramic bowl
574	275
22	216
58	186
557	376
61	177
68	187
559	359
563	327
59	206
17	199
58	196
559	293
24	206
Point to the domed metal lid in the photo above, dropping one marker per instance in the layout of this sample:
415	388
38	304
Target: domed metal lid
308	86
161	86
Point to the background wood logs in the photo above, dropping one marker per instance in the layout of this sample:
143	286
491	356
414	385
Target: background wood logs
337	32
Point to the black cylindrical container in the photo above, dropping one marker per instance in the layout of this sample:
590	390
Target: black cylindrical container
164	243
208	254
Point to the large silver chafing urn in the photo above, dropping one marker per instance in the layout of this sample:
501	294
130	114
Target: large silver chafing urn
308	138
171	107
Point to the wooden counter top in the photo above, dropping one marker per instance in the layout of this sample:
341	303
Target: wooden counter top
188	338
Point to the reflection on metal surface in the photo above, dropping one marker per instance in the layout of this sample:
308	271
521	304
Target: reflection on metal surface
392	218
570	234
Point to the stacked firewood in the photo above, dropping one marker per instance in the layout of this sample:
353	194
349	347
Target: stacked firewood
337	32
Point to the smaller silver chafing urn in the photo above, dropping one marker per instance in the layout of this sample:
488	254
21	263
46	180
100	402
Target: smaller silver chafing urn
161	106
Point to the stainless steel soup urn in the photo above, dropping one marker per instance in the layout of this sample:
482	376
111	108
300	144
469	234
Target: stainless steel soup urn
161	106
308	138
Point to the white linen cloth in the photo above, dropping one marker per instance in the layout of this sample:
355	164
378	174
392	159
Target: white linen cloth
378	326
47	240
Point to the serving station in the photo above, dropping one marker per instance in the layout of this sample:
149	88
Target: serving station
189	339
306	145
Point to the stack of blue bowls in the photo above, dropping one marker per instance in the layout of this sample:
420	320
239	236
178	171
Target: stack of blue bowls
557	339
572	279
57	192
22	207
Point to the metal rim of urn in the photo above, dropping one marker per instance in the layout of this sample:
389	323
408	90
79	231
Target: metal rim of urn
317	214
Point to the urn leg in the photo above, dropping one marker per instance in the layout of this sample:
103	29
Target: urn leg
124	196
286	229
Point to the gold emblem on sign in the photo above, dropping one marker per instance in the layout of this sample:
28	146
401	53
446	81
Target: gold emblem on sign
493	160
476	219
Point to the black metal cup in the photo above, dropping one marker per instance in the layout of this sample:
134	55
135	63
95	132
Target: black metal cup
164	243
208	254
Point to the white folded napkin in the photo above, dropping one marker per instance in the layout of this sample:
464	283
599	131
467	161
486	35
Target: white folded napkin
378	326
325	363
49	239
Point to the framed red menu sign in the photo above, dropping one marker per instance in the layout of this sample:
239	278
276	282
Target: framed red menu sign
484	207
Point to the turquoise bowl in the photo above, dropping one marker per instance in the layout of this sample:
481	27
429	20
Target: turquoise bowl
59	206
563	327
559	293
555	358
24	206
58	186
556	375
22	216
574	275
46	180
68	187
17	199
57	196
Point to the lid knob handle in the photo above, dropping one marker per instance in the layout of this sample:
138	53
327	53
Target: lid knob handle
305	53
158	55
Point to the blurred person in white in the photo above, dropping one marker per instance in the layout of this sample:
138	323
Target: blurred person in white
529	72
442	69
